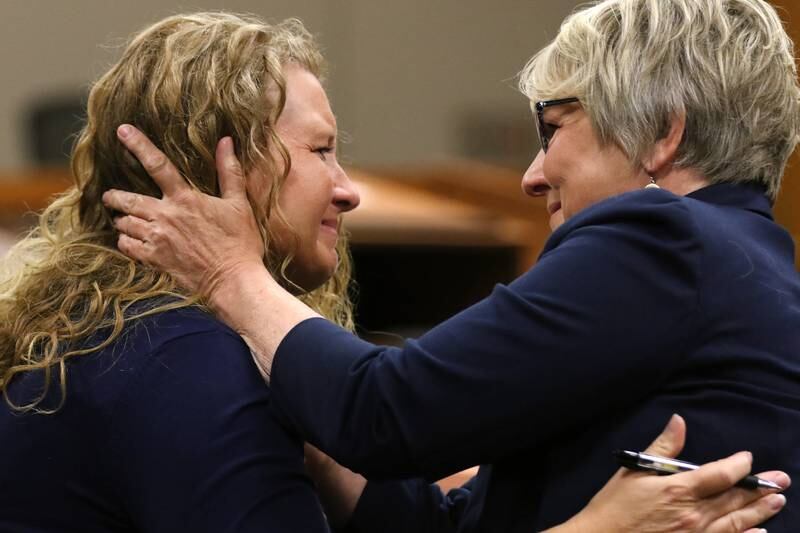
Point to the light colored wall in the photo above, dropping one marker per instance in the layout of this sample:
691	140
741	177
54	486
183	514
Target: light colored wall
59	46
402	74
417	66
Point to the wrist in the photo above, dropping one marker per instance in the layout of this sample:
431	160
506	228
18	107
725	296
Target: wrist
586	521
246	298
231	291
317	463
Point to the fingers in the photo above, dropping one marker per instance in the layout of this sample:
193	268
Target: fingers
713	478
229	171
671	441
730	501
776	476
749	516
130	203
133	227
152	159
133	248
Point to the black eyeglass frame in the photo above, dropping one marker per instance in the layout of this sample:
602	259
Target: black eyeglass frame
544	134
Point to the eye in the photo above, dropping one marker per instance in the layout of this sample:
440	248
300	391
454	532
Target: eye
323	151
550	128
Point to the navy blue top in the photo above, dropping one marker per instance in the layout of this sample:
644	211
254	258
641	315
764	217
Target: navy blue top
168	430
640	306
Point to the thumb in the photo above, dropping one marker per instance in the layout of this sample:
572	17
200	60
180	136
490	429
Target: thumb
672	438
229	171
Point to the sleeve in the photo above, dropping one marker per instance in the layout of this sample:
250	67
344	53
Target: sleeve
197	448
410	505
599	322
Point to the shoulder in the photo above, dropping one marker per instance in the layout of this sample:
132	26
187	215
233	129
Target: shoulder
174	335
640	228
188	345
183	353
637	247
188	372
651	213
194	425
177	326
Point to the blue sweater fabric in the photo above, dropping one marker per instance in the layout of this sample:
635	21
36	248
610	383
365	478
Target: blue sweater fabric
640	306
167	430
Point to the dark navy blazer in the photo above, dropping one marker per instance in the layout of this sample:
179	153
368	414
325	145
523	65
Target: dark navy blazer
168	430
640	306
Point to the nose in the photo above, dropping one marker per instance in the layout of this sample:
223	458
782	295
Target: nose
533	181
345	192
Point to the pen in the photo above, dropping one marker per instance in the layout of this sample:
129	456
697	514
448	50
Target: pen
664	465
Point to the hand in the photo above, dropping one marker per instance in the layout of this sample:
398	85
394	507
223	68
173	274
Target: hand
704	500
198	239
210	245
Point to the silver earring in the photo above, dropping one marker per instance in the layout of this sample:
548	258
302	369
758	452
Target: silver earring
652	184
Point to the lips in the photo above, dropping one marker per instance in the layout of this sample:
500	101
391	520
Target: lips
332	223
553	207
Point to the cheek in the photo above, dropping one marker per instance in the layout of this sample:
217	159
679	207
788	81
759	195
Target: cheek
581	189
304	204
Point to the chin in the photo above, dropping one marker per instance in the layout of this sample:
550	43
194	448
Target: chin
556	219
310	275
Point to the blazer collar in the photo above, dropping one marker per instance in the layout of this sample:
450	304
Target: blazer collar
744	196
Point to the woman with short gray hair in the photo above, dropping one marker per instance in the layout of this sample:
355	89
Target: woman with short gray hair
726	68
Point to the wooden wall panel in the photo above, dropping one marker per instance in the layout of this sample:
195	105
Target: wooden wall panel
787	209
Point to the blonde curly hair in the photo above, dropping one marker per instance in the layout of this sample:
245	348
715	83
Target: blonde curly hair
186	81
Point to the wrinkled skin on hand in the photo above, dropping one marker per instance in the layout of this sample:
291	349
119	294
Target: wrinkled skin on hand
197	238
704	500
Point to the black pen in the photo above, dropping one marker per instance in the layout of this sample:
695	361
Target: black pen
664	465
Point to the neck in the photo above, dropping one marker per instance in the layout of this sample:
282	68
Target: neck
682	181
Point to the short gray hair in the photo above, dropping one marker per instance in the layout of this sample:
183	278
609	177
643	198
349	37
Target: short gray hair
728	65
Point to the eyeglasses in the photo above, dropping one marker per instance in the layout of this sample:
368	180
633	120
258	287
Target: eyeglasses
545	130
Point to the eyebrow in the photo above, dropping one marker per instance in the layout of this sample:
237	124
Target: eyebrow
322	127
322	130
561	110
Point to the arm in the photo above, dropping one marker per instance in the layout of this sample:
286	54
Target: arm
604	294
339	489
630	501
353	505
197	450
605	314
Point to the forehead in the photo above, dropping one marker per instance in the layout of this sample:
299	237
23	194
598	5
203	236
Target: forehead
307	104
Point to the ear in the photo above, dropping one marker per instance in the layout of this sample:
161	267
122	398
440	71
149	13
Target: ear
666	148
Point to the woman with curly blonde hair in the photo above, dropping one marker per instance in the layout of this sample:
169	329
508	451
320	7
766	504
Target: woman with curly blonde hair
127	406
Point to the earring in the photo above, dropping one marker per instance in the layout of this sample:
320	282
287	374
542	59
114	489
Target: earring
652	184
